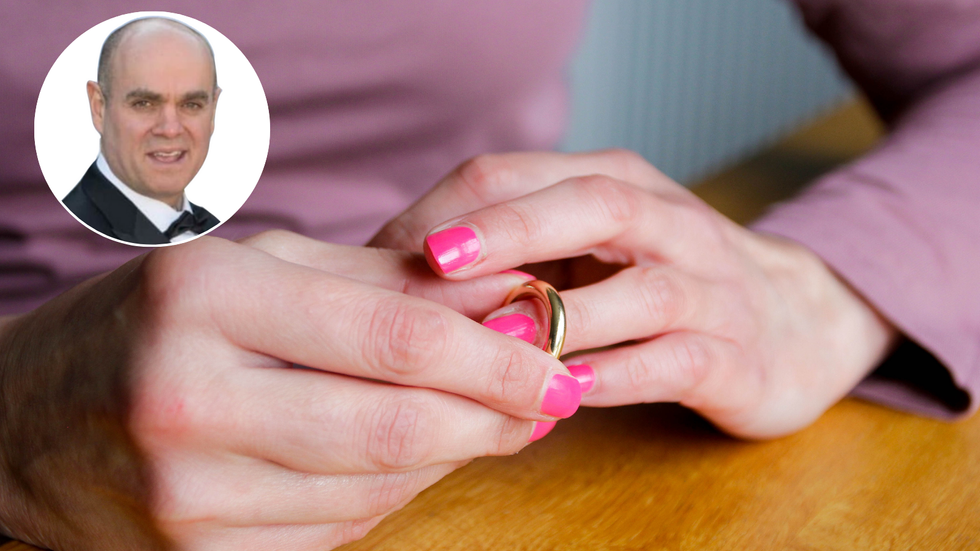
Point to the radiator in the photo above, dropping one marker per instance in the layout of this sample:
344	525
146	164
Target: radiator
694	85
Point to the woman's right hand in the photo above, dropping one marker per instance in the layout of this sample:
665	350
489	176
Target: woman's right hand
163	404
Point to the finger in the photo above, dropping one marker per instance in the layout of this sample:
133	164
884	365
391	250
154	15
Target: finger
304	316
686	367
251	492
396	270
595	214
296	537
707	374
490	179
323	423
635	303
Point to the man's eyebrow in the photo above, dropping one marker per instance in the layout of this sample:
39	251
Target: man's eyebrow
142	93
199	94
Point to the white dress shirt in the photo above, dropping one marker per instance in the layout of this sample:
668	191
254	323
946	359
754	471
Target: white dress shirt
159	213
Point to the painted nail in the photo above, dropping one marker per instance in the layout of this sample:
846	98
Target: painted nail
515	325
563	397
519	273
584	374
453	248
541	429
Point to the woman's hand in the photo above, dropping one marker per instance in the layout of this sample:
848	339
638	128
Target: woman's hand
161	401
752	331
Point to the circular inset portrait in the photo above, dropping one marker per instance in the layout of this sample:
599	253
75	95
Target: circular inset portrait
152	128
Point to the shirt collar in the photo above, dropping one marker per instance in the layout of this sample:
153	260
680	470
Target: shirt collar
159	213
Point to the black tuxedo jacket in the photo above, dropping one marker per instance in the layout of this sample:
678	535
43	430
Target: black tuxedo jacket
106	210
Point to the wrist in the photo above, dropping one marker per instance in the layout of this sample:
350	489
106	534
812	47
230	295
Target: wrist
69	471
850	329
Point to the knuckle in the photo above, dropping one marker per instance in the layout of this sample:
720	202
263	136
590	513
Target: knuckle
401	435
161	414
692	361
585	317
523	226
509	380
389	491
172	275
164	413
271	241
511	438
639	373
612	199
407	338
400	233
704	222
628	161
660	293
677	367
172	497
527	227
485	176
636	168
625	156
349	532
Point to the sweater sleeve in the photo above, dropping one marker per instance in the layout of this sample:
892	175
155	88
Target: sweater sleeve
902	224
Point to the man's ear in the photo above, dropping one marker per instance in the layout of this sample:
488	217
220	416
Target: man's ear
214	106
96	103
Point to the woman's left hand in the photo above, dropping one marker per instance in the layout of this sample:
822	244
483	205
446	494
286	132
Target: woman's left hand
752	331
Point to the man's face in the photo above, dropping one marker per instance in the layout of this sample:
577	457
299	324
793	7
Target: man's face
157	121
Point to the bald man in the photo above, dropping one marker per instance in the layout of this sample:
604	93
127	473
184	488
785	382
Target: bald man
154	106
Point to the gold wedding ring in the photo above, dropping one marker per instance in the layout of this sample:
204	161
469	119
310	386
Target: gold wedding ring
553	305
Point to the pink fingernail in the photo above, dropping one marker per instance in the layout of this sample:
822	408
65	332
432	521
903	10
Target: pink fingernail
584	374
453	248
519	273
541	429
563	397
515	325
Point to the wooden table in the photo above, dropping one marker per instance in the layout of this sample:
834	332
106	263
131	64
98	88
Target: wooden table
658	477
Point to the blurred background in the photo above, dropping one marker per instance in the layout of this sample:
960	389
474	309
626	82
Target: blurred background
697	85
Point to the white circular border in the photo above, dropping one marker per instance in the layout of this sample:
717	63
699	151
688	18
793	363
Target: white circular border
67	143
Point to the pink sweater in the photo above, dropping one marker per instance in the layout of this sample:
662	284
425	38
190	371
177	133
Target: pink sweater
372	101
902	225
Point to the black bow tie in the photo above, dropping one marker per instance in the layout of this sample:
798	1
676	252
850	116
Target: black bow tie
196	222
